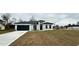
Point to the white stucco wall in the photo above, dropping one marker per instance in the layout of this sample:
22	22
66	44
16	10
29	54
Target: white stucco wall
30	27
48	28
2	27
52	26
44	27
73	28
16	27
38	26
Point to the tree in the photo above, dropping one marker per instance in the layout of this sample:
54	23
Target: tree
32	18
77	23
56	27
69	24
6	17
20	20
13	20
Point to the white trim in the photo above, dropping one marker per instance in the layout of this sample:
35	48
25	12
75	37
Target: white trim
22	24
16	27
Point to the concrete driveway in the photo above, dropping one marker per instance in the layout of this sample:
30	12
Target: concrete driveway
8	38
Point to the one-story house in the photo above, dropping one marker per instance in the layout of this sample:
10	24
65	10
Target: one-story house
33	25
2	25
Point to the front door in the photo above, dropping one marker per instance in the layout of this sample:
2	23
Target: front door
35	27
41	27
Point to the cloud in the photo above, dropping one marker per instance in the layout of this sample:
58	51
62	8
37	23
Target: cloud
66	22
58	18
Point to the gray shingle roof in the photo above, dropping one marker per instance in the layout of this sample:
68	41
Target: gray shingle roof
33	22
30	22
47	23
41	21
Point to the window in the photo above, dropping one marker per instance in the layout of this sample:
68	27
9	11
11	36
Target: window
46	26
50	26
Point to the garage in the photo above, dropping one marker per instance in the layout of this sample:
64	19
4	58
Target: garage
23	27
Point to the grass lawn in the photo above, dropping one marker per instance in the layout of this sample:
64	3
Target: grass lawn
5	31
49	38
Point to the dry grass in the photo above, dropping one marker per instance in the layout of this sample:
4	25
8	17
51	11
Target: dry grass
49	38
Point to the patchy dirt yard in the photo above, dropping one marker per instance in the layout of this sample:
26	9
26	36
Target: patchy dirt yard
49	38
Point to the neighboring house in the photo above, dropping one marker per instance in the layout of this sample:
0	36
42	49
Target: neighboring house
34	25
2	25
71	27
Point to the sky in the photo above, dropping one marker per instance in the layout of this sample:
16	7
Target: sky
57	18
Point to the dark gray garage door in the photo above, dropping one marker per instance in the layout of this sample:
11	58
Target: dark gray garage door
23	27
